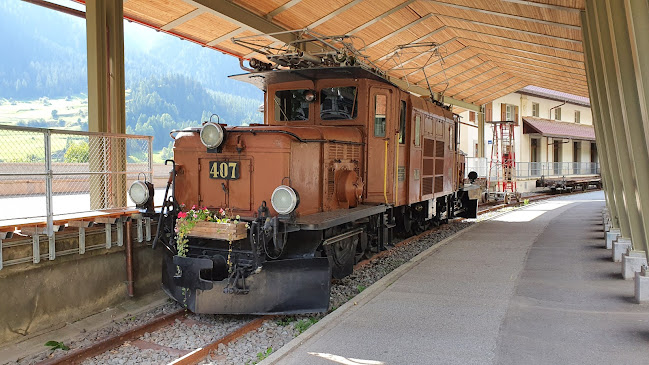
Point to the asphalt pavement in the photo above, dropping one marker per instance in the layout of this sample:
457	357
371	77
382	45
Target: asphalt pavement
532	286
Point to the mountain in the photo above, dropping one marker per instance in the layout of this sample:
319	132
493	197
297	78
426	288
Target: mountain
170	83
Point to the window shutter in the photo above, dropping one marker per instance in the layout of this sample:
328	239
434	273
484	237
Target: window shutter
503	111
488	111
516	114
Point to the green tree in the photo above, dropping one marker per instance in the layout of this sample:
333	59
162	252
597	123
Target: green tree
77	153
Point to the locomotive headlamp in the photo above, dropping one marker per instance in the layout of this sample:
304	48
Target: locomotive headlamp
141	193
212	135
284	199
309	95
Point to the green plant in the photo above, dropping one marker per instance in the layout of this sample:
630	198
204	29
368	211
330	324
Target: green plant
187	221
261	356
285	321
526	202
304	324
56	345
77	153
360	288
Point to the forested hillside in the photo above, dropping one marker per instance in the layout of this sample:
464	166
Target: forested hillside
170	83
157	105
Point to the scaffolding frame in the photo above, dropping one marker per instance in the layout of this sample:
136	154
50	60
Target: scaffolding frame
502	165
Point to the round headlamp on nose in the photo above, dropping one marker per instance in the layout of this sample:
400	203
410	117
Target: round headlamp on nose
284	199
212	135
141	193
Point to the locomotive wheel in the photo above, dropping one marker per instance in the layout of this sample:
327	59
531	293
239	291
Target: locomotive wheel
341	257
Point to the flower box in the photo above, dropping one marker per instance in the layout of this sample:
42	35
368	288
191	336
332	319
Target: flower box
219	231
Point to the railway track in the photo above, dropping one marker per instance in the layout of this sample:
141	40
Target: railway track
140	337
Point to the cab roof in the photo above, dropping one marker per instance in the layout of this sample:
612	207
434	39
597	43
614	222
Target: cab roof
264	78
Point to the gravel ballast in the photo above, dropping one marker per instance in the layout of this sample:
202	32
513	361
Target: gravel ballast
195	331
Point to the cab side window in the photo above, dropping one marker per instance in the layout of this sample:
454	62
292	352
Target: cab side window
380	103
402	123
417	130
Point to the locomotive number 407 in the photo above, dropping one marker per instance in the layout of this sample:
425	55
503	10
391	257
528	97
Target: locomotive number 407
224	170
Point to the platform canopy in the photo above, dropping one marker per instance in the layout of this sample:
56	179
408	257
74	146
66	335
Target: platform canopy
489	48
555	129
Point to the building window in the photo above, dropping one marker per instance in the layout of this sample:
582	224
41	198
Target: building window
557	114
509	112
577	116
535	109
471	116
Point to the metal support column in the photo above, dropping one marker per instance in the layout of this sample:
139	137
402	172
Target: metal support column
602	111
602	147
617	124
49	230
481	119
634	64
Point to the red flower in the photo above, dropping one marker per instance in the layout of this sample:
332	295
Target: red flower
193	206
182	215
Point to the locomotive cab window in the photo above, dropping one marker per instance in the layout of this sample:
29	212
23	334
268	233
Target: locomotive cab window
291	105
380	103
338	103
402	123
417	130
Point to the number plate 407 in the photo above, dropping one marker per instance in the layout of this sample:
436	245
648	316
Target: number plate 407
224	170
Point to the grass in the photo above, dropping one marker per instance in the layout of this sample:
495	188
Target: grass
56	345
304	324
285	321
260	356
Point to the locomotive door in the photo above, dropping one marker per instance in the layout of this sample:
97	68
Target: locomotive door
415	170
225	183
380	146
402	154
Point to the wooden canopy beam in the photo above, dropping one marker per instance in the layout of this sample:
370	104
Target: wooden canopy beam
282	8
334	13
543	6
503	91
187	17
380	17
508	16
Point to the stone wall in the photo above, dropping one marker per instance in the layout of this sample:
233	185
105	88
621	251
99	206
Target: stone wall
37	297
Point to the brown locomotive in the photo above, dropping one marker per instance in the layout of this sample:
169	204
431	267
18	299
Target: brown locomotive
344	158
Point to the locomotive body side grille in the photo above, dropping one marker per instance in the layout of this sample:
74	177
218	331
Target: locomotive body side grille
339	153
426	186
439	149
429	147
439	183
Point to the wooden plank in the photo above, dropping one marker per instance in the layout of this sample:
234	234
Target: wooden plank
106	220
220	231
80	224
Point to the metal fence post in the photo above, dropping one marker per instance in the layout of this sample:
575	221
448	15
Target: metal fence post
150	140
48	194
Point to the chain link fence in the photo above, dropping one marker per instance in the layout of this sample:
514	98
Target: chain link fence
46	173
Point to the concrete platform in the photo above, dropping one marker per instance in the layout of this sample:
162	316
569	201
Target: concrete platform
533	286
